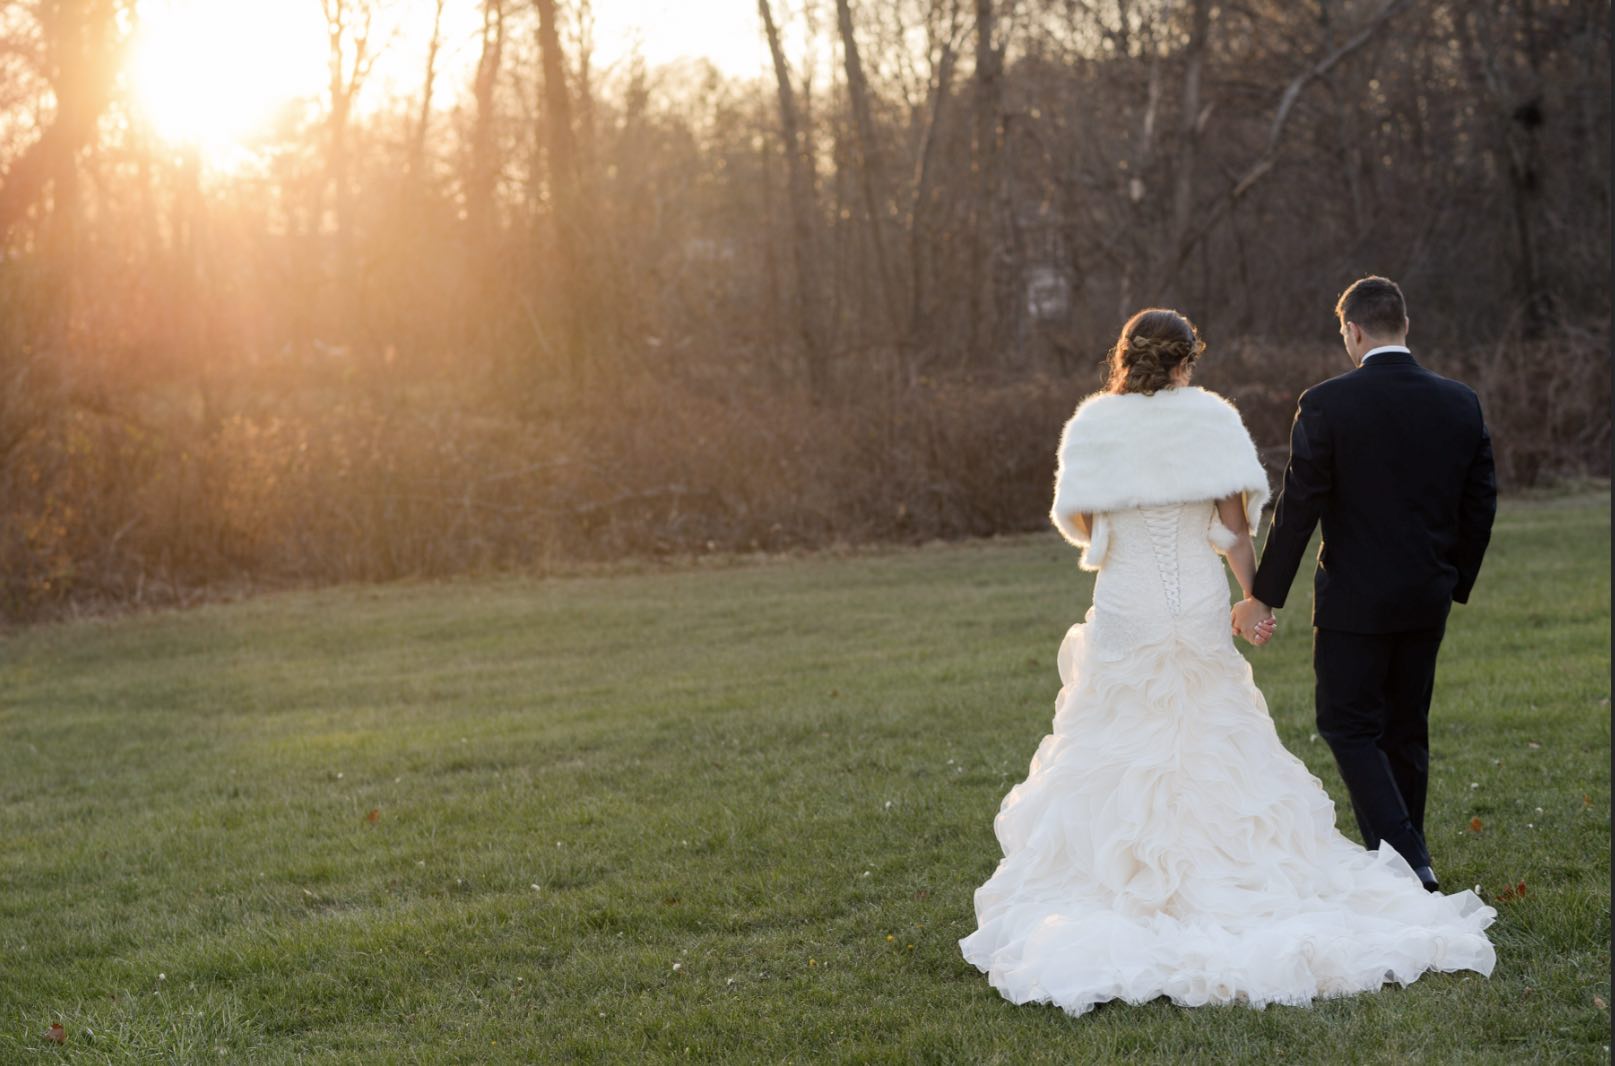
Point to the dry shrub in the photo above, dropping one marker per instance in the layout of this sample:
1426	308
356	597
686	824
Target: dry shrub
340	485
1547	403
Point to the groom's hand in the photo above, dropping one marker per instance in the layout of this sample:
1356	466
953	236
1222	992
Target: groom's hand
1253	620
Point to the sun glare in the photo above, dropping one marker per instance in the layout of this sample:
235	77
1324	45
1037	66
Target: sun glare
665	31
210	74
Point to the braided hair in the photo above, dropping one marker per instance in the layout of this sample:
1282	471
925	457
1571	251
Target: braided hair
1152	345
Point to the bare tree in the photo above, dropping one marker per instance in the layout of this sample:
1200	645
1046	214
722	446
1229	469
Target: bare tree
871	178
350	56
1269	154
484	165
1515	114
81	41
417	140
802	217
986	170
921	205
585	91
567	206
1191	120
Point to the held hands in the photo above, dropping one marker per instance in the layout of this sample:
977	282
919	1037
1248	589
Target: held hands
1253	620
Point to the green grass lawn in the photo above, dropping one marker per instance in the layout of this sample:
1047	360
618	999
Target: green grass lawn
725	813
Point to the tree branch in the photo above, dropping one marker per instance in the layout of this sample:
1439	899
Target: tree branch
1265	162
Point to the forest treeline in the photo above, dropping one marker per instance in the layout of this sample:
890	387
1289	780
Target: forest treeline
556	311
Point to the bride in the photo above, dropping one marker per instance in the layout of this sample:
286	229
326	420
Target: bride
1164	842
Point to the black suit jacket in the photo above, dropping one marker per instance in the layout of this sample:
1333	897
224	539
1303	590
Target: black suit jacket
1396	462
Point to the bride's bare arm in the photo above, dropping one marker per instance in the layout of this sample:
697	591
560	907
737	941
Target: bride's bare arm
1084	522
1242	556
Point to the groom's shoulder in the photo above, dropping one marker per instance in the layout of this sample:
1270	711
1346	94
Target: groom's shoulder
1354	389
1330	389
1452	385
1449	392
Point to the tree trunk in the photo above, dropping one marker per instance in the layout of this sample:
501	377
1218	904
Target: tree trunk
1140	176
484	166
480	249
417	142
84	39
986	161
1516	116
870	176
346	77
815	351
566	205
924	178
1347	110
1189	117
585	90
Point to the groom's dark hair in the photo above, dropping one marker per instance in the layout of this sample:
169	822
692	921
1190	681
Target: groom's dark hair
1375	304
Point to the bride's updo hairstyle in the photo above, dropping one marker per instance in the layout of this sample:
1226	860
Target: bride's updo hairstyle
1153	344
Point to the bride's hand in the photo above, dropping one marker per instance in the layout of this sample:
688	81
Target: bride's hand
1259	635
1264	631
1254	621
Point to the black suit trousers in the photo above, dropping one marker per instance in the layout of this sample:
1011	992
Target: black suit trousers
1373	704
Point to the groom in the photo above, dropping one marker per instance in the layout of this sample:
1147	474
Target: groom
1395	461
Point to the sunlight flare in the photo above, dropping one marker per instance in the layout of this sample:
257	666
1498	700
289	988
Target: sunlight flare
212	75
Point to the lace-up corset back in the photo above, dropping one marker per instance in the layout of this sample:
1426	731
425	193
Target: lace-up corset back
1160	575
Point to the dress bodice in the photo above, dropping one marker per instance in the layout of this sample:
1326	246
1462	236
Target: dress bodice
1160	575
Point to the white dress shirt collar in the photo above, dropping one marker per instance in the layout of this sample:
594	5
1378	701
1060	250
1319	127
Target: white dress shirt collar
1384	348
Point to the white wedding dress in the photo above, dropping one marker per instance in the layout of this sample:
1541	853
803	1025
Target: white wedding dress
1165	843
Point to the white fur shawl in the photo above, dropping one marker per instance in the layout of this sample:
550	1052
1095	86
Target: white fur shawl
1122	450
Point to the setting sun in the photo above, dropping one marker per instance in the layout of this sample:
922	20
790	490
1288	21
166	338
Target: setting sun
210	75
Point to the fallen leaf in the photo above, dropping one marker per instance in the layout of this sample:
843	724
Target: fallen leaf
1512	894
374	816
1533	745
1586	799
1598	1001
1476	825
56	1034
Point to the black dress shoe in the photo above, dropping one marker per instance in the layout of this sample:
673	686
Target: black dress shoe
1427	878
